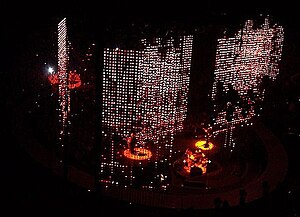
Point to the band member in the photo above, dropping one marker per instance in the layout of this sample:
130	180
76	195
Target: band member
131	142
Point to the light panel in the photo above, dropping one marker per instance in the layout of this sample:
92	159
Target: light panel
242	62
144	91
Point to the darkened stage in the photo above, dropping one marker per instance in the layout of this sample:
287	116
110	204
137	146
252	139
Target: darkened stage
160	117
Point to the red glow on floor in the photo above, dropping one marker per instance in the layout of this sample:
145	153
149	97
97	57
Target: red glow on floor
139	154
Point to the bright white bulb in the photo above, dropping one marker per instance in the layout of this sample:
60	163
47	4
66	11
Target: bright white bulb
50	70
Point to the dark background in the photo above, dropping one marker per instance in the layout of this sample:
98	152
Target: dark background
29	188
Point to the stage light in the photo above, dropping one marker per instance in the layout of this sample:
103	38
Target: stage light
50	70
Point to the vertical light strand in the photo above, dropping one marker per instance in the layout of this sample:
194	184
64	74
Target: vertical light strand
63	86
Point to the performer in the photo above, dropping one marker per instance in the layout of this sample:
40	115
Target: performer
131	142
208	134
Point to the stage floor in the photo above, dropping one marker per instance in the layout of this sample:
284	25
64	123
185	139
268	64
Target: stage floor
245	174
233	178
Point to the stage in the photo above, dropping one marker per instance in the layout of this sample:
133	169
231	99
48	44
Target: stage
235	176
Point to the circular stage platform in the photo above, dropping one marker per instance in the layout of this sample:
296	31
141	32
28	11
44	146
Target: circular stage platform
139	154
